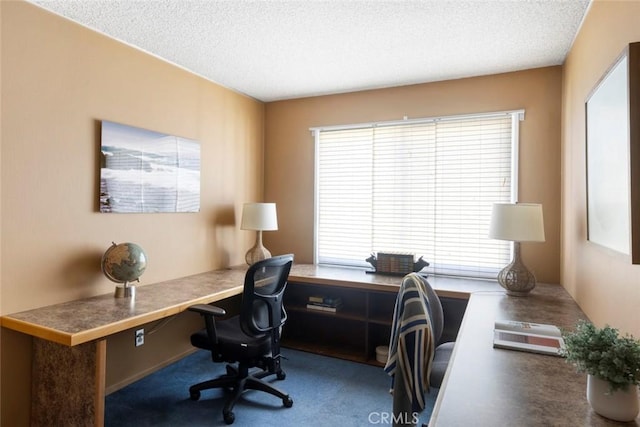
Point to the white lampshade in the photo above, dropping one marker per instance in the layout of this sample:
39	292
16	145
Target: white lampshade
520	222
259	216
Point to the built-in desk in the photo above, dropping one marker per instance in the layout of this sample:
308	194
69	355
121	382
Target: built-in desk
69	348
486	386
483	386
494	387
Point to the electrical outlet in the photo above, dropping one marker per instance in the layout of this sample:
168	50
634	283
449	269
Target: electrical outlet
139	337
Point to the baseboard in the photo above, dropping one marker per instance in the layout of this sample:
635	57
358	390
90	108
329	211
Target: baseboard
121	384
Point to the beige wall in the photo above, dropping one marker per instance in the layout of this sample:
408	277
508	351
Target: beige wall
58	81
604	283
0	211
289	148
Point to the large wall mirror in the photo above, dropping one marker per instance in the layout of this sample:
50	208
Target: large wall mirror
613	164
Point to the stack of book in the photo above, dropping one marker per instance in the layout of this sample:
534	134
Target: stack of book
323	303
526	336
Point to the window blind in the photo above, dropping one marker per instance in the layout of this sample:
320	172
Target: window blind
422	186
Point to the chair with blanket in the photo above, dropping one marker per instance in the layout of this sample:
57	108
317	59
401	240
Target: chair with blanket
417	360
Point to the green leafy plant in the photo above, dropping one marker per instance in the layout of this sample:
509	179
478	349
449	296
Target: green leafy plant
605	354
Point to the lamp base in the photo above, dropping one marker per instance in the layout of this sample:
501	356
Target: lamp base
258	252
515	277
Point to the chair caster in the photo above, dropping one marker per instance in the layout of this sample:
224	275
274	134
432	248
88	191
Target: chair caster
287	402
229	418
194	395
281	375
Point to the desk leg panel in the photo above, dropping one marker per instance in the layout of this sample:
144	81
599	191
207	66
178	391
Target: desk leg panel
68	384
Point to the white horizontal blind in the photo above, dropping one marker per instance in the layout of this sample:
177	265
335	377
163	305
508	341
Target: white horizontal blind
422	187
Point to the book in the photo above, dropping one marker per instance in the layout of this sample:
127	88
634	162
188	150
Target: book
316	298
324	307
330	301
527	336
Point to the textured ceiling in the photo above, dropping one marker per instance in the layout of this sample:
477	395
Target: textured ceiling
276	49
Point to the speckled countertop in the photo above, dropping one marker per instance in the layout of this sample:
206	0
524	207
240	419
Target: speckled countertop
80	321
497	387
359	278
83	320
483	387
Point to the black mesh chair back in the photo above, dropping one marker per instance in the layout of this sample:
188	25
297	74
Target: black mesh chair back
264	284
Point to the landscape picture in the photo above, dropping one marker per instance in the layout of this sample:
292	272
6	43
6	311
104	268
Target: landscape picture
146	171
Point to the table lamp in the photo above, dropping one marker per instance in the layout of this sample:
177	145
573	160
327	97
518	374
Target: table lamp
519	222
260	217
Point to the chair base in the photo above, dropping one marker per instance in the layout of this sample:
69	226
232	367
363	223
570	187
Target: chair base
237	381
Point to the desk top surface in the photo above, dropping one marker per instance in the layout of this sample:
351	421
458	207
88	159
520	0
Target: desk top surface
361	279
80	321
497	387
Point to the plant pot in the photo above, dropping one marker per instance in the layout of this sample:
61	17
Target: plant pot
619	405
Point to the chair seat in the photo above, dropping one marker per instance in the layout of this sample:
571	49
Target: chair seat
439	364
233	343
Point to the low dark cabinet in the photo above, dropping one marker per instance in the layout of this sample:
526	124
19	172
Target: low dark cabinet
361	322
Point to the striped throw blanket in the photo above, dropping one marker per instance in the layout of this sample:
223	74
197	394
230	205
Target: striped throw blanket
411	347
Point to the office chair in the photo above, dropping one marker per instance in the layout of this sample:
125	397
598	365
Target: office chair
419	320
252	338
443	351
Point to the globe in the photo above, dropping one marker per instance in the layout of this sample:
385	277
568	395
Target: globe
124	262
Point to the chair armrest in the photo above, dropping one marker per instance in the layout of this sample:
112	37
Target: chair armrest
209	312
206	309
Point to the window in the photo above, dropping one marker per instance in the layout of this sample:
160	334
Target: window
416	186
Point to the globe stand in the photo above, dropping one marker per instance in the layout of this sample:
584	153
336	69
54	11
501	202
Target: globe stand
125	291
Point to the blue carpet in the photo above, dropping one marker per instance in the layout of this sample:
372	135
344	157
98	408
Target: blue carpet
326	392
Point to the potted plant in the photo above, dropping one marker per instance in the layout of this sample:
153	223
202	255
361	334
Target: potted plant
612	363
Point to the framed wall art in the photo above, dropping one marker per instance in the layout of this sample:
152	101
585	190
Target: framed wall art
147	171
613	157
